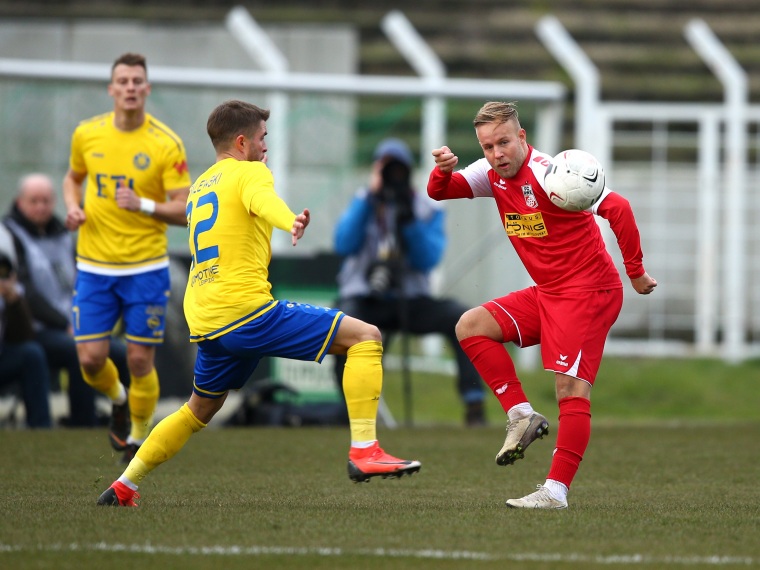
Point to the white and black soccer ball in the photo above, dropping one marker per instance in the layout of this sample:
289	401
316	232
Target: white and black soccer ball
574	180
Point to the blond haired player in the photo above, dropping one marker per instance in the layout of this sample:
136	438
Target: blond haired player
569	311
232	316
127	180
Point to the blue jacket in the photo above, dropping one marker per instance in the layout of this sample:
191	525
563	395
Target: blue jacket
366	234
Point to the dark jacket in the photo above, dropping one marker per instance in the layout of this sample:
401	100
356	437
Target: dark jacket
46	268
15	318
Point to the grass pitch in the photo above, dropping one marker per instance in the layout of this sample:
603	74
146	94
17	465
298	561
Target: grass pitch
648	495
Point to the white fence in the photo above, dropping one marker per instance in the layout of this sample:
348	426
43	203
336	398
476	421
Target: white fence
695	207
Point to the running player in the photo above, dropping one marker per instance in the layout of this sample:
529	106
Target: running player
577	297
137	182
232	316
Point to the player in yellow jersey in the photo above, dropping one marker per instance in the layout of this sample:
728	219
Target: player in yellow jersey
231	213
127	180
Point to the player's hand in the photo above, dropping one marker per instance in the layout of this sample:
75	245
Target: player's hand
75	217
644	285
376	177
445	160
299	225
127	199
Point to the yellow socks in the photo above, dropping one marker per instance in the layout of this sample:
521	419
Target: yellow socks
143	397
362	384
167	438
106	380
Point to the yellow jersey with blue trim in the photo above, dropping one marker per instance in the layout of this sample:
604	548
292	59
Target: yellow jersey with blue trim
152	161
231	212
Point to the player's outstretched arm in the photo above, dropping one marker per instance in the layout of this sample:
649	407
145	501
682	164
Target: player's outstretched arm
299	225
644	285
443	182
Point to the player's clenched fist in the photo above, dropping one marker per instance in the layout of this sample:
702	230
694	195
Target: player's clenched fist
75	217
445	160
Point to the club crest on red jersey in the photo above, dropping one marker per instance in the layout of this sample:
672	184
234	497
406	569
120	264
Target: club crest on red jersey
530	197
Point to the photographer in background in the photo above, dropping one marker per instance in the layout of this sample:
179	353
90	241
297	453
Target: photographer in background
392	238
21	359
46	269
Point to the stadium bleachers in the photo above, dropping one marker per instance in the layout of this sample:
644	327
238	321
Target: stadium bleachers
638	45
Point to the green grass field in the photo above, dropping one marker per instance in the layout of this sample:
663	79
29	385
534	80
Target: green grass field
661	486
625	389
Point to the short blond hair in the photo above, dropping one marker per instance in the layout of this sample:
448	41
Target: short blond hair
496	112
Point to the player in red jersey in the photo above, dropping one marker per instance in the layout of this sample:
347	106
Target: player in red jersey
569	311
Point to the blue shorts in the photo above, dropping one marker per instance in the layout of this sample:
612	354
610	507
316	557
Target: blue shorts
288	330
100	300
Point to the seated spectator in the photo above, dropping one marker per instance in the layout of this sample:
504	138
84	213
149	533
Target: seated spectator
22	359
46	269
392	238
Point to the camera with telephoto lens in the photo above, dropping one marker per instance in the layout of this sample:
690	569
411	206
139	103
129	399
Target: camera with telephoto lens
397	189
395	176
6	266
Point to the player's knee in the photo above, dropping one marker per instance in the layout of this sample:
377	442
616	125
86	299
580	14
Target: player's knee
467	325
370	332
91	362
139	361
139	367
352	331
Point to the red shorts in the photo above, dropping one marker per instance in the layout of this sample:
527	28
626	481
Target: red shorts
571	328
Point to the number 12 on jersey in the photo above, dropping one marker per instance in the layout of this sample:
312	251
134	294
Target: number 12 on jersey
199	255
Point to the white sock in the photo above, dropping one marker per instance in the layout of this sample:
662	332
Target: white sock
122	399
520	411
363	444
124	481
556	489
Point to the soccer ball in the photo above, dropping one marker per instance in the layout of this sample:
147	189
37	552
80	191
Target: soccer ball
574	180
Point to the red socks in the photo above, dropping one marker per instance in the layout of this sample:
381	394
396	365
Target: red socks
573	435
495	366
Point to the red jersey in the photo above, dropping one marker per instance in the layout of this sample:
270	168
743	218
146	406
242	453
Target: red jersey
561	250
